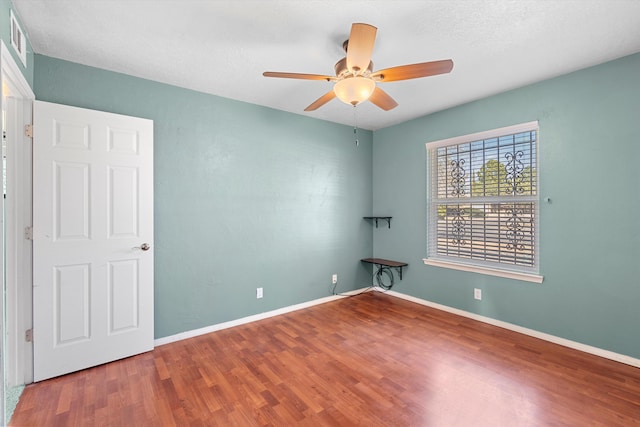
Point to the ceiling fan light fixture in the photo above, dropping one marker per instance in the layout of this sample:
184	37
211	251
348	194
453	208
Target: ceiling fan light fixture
355	80
354	90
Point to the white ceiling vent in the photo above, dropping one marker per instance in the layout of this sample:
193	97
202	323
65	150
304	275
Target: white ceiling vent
18	40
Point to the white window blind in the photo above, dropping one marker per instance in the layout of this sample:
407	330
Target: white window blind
483	199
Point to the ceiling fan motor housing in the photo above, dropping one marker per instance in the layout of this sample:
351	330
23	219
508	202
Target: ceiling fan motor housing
342	70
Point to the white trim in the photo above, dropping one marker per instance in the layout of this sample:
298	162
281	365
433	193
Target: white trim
230	324
17	354
535	278
507	130
3	327
11	70
596	351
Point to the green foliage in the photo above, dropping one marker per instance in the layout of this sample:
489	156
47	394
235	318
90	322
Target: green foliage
492	179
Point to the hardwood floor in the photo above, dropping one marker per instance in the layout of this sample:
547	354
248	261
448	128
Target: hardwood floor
370	360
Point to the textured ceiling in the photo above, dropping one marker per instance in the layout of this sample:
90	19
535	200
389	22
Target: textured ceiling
222	47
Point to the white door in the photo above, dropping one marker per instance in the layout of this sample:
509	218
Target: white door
92	238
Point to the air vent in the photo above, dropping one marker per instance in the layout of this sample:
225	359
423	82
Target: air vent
18	41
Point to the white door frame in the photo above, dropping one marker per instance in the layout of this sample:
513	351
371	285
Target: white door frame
17	103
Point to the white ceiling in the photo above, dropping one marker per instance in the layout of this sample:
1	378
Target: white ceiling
223	46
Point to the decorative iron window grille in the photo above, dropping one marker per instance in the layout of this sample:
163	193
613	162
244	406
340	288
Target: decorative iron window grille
483	198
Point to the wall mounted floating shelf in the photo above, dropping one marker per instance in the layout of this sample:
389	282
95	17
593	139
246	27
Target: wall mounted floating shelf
384	267
376	218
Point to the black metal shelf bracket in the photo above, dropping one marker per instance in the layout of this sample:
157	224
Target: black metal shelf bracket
376	218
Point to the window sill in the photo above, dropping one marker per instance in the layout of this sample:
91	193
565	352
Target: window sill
527	277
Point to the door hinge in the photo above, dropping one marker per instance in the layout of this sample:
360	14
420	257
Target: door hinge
28	233
28	335
28	131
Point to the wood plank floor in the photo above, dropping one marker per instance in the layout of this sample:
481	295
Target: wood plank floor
370	360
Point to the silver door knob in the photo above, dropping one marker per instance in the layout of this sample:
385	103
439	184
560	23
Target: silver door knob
144	247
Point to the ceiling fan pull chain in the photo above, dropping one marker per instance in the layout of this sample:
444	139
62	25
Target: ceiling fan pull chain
355	126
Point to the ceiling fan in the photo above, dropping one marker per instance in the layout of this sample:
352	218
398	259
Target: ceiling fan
355	80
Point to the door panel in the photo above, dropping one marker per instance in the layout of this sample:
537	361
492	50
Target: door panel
72	312
124	289
71	201
122	193
93	210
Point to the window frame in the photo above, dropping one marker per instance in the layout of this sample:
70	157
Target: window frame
512	271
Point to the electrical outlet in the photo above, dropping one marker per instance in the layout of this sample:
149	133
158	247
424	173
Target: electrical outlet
259	293
334	279
477	293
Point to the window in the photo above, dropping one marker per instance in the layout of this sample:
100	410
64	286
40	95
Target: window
483	202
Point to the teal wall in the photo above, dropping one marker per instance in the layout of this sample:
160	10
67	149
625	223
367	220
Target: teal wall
5	35
589	233
248	196
245	196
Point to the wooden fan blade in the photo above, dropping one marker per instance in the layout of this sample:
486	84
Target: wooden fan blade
321	101
360	46
382	99
298	76
413	71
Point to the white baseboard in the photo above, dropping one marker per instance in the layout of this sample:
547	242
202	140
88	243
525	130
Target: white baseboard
526	331
628	360
249	319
